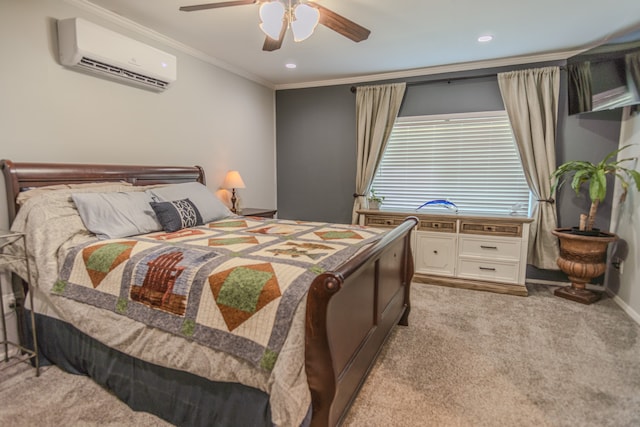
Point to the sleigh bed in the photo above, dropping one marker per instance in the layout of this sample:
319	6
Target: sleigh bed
165	363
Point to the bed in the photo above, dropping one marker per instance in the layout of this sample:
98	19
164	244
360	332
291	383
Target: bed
336	331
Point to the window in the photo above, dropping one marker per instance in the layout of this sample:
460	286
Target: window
469	159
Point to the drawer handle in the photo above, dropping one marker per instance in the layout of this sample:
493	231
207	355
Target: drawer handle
488	247
435	252
389	222
436	225
487	268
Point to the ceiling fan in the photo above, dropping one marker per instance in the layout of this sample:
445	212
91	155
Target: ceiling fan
301	16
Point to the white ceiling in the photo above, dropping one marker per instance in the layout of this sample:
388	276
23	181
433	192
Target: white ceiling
408	37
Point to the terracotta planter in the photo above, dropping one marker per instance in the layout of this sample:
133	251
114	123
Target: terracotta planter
582	258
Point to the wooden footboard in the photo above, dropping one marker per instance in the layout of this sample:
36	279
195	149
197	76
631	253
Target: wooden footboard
350	314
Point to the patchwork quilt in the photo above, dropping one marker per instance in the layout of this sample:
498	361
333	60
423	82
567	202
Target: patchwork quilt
232	285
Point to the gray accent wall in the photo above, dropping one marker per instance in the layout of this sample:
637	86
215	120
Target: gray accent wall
316	140
587	136
316	153
452	96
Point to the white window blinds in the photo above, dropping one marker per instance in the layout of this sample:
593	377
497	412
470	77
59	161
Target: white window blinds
469	159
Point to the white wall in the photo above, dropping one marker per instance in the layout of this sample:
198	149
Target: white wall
48	113
209	117
624	284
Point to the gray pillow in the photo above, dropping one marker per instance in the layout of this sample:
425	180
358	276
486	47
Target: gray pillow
209	206
115	215
177	215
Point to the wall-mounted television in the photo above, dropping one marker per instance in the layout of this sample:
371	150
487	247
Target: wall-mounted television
605	77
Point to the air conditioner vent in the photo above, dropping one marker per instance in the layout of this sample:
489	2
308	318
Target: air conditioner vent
116	71
90	48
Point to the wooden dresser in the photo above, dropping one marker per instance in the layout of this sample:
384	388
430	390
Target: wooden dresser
485	252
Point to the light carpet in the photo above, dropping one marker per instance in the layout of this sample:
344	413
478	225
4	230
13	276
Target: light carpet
468	358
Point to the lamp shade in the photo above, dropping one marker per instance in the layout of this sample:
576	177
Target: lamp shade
233	180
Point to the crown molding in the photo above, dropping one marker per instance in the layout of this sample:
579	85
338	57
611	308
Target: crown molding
440	69
121	21
168	41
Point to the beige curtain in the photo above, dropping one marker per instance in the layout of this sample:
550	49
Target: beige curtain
531	100
376	110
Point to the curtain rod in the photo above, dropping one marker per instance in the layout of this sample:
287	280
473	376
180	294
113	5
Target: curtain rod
445	79
448	80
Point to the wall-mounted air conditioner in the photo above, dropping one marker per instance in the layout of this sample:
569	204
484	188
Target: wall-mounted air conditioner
88	47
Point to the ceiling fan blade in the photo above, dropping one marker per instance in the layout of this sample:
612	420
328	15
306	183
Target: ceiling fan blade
216	5
270	44
340	24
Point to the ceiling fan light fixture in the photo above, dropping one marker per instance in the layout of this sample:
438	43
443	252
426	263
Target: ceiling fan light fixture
306	20
272	15
301	16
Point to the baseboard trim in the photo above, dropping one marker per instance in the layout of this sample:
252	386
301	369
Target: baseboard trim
590	286
476	285
547	282
624	306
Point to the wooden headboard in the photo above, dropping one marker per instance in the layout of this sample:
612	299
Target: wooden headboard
19	176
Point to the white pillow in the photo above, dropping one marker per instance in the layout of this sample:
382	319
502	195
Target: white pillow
210	207
28	193
115	215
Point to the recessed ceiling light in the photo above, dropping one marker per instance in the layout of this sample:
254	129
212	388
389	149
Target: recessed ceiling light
484	39
291	65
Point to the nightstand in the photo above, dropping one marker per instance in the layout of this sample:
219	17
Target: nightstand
265	213
8	238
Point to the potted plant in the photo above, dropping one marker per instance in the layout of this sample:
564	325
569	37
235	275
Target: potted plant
583	249
373	200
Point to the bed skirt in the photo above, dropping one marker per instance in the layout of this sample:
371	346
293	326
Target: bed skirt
181	398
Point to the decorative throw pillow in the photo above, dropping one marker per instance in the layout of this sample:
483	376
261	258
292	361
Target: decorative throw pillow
177	214
118	214
211	208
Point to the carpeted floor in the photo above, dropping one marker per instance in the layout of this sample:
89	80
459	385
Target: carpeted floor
468	358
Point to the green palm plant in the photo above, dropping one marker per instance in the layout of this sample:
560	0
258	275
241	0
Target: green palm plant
596	176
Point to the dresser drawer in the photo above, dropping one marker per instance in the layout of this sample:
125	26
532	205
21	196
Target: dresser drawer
489	248
435	253
383	221
437	225
489	228
494	271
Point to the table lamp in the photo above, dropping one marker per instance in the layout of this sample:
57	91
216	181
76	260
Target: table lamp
232	181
